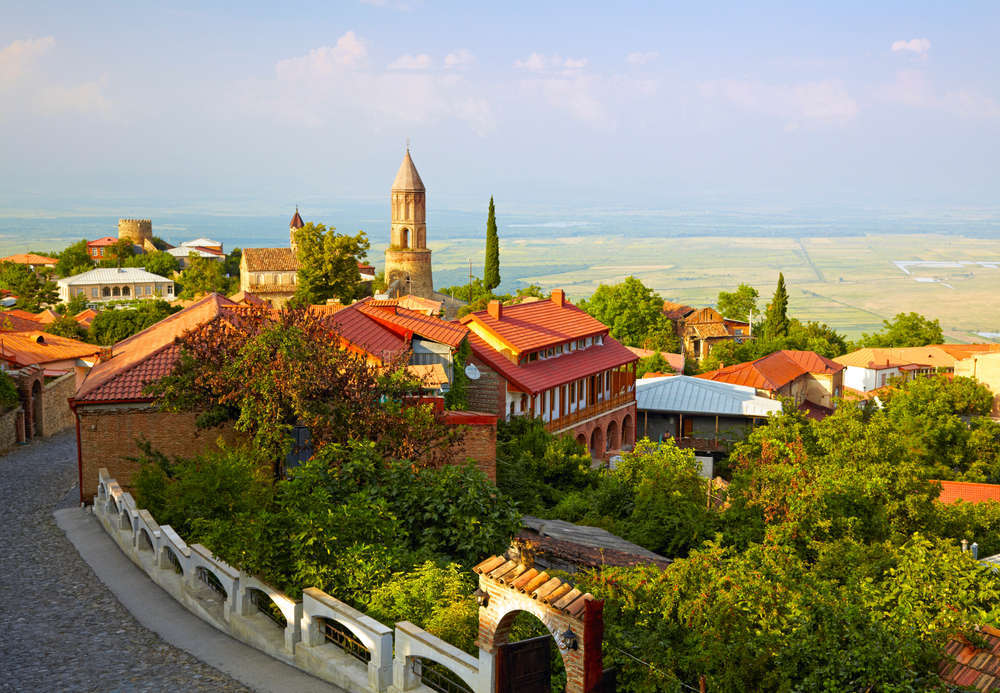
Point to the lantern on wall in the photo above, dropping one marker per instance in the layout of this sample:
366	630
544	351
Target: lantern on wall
482	597
566	640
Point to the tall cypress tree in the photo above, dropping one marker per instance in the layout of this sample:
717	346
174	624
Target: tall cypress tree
491	273
776	319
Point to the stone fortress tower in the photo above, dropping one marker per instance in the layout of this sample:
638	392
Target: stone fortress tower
407	259
139	231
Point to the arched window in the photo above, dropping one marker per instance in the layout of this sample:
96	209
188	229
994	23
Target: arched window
116	291
105	291
125	291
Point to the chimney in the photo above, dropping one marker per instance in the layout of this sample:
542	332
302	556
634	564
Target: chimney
495	309
106	353
558	297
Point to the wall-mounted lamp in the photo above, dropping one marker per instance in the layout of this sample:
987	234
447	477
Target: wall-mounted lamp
566	640
482	597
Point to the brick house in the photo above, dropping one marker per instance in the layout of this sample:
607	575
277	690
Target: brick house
112	410
551	360
98	248
811	380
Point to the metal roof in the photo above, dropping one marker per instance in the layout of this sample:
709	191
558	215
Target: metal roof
113	275
689	395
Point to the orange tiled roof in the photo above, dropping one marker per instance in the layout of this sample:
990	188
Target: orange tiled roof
29	259
774	371
37	347
146	356
967	491
247	298
538	585
48	316
543	374
18	321
969	667
932	355
107	240
418	303
85	317
271	260
675	311
426	326
529	326
675	361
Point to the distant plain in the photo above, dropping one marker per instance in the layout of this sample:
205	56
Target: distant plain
848	269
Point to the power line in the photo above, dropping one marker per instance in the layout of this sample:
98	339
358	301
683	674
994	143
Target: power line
653	668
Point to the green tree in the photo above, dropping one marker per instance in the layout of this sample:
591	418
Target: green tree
76	304
34	290
160	262
9	396
203	275
328	264
491	273
231	266
112	326
776	316
119	253
74	259
739	304
905	330
634	314
66	326
653	364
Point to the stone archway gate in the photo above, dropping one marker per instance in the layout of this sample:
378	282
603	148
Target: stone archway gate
575	619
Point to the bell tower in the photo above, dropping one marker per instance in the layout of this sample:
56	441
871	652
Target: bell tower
407	259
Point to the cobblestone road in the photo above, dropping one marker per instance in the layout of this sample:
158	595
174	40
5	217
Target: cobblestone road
60	628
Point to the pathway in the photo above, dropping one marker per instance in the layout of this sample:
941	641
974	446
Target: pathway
62	629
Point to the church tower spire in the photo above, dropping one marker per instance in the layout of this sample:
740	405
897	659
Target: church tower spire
294	225
408	260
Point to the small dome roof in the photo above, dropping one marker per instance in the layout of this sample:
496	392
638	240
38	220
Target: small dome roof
296	222
407	177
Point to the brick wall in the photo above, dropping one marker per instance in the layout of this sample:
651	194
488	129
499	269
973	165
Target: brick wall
479	442
108	437
56	414
489	393
9	425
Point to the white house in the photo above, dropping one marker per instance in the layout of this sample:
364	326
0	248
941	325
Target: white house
116	284
183	254
206	243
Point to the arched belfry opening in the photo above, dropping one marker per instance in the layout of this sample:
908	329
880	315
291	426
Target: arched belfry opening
574	622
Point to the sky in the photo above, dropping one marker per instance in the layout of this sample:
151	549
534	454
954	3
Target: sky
541	104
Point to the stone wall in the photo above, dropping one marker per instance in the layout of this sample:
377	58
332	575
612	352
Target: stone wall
56	414
489	392
109	435
415	264
11	429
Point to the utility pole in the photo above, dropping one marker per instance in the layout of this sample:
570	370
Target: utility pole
470	280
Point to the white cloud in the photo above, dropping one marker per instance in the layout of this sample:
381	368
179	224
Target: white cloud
81	98
344	87
411	62
459	59
913	88
811	103
536	62
920	46
637	58
325	61
18	56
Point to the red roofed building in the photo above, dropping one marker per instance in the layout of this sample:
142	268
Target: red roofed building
32	260
551	360
811	380
968	492
99	248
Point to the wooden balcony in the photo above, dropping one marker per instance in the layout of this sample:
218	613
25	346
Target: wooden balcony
579	415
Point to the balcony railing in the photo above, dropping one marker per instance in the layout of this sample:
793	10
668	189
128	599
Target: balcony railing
600	407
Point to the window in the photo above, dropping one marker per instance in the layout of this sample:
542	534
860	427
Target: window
149	290
105	291
580	344
572	391
116	291
170	289
125	291
533	356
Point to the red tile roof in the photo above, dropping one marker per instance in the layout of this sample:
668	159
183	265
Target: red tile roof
774	371
146	356
543	374
37	347
296	222
967	491
85	317
18	321
107	240
675	361
271	260
367	334
970	667
529	326
426	326
29	259
675	311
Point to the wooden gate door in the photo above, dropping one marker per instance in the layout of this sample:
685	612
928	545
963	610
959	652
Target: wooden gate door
608	682
525	667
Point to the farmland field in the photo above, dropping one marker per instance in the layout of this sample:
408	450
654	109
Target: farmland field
850	282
